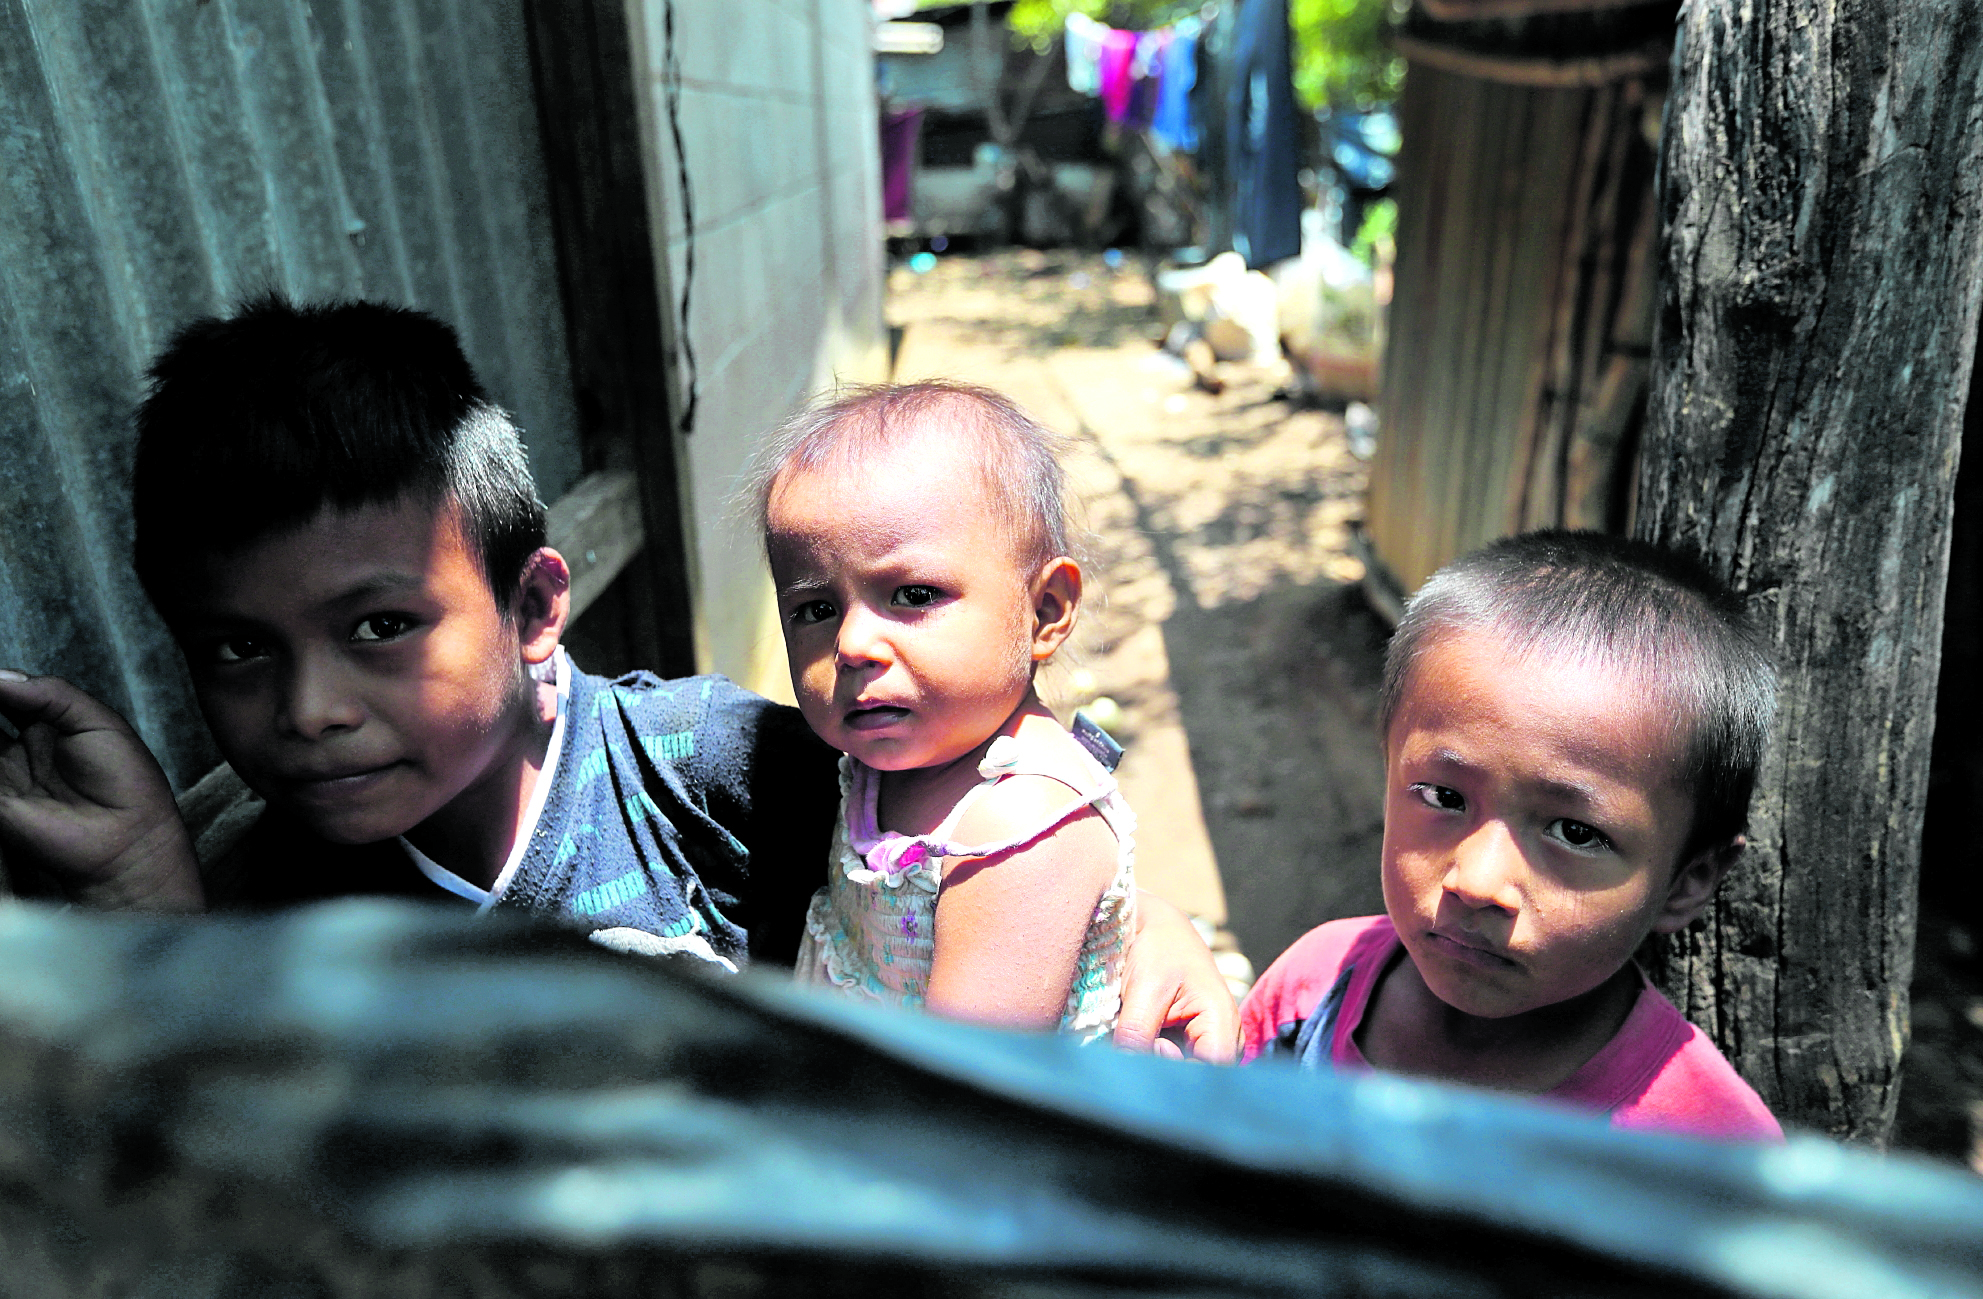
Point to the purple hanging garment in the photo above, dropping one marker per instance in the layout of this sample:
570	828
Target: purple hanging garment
901	131
1118	52
1145	72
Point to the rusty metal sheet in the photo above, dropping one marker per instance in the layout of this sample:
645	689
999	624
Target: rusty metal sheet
1519	279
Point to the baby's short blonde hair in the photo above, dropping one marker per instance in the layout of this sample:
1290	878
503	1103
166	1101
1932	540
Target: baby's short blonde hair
1019	457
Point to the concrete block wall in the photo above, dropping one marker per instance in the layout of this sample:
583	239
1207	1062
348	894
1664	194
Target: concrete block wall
777	117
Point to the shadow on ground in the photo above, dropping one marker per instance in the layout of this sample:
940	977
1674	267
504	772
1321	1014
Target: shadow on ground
1078	324
1279	697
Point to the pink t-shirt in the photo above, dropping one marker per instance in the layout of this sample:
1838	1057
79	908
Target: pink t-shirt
1659	1071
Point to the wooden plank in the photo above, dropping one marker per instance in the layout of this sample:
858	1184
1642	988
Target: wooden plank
1602	442
1449	11
619	327
1537	71
597	528
1537	500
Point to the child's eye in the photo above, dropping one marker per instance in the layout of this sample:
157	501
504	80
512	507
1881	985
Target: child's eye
1578	835
814	611
382	626
917	597
239	649
1446	800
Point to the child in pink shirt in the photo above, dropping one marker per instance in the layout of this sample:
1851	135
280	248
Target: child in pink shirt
1572	725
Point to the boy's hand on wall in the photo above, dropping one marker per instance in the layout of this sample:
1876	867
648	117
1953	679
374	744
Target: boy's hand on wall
1172	989
83	800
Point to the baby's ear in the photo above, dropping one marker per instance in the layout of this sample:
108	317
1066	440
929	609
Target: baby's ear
1694	883
1056	601
543	604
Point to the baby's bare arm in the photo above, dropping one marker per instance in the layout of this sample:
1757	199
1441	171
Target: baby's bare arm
83	801
1009	927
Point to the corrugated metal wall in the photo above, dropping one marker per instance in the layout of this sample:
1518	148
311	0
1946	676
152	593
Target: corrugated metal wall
1518	333
158	161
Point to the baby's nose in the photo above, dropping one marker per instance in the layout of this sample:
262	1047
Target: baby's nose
863	639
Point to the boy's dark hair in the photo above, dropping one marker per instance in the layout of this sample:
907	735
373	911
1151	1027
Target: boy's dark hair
1629	603
257	422
1021	457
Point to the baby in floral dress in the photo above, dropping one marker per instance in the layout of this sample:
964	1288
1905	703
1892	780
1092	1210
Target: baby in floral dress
982	866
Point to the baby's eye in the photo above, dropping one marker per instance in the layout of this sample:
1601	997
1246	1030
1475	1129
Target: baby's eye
917	596
382	627
813	611
1578	835
1446	800
239	649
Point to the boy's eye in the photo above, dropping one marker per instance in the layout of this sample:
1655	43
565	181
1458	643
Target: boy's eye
813	611
382	626
239	649
1578	835
917	597
1446	800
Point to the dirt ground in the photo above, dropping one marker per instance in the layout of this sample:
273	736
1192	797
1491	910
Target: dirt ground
1229	631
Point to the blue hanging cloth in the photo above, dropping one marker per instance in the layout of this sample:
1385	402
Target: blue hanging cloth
1174	123
1261	134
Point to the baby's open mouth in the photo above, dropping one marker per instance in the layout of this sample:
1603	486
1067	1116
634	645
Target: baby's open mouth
875	717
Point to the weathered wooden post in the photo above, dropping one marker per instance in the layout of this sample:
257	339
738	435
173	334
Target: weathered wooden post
1822	253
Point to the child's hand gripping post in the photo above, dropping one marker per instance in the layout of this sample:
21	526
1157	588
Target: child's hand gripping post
83	801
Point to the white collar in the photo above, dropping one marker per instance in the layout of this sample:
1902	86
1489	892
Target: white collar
559	671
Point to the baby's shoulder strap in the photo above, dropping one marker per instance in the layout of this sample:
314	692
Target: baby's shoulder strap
1004	760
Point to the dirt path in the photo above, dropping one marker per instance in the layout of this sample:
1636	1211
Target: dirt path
1230	631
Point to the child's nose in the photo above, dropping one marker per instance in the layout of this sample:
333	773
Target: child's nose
1485	868
317	700
863	639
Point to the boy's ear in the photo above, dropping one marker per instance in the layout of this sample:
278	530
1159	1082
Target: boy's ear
1056	601
543	604
1694	883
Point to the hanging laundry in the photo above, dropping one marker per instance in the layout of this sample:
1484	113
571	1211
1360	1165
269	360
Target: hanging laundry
1083	39
1118	53
1144	68
1173	122
1261	129
901	131
1211	109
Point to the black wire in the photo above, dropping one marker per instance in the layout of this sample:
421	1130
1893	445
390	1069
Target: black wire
671	83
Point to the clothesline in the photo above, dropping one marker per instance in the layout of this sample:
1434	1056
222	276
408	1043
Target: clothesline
1143	79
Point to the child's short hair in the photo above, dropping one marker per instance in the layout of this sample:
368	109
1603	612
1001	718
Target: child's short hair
257	422
1629	603
1020	457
